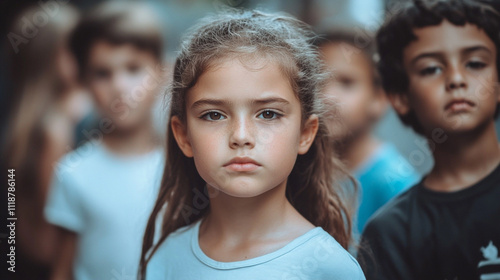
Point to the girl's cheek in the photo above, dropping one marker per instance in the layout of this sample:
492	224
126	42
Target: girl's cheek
209	140
269	133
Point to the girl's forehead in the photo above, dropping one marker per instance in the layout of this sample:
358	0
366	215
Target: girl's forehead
237	81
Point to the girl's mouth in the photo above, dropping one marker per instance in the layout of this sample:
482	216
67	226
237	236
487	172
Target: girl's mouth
242	164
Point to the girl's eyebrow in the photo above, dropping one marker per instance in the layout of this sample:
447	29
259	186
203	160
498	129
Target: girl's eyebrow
221	102
271	100
202	102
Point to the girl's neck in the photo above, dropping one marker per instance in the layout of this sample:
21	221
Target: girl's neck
266	219
132	142
463	160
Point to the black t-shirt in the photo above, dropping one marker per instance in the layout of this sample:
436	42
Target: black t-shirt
427	235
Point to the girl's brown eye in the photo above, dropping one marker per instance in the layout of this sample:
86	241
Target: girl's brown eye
269	115
212	116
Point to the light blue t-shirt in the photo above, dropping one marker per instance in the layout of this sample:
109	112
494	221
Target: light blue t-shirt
384	175
106	199
314	255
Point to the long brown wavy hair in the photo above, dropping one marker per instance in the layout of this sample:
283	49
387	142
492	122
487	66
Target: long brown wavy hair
313	186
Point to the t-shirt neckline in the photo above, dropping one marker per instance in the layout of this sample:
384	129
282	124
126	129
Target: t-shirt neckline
471	191
113	156
375	156
200	255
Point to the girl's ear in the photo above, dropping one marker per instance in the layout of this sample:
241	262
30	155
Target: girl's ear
308	134
399	103
181	137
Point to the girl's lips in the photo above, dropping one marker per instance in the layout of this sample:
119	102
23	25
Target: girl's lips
242	167
242	164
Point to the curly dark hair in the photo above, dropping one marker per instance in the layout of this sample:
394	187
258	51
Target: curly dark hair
397	33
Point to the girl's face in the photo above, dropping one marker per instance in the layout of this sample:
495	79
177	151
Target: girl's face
243	127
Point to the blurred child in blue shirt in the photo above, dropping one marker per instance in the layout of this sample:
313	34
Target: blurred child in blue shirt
355	85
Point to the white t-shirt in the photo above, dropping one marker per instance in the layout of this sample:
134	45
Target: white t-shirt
106	199
314	255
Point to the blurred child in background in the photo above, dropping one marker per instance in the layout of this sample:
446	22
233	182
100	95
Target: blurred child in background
440	68
102	192
355	84
47	103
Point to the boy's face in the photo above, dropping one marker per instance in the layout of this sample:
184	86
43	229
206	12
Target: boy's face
352	88
124	81
453	79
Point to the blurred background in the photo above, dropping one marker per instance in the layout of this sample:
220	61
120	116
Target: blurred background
178	16
40	93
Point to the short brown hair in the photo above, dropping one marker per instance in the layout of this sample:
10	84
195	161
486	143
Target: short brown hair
118	24
365	42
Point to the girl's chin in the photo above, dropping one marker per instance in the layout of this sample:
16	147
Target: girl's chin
242	191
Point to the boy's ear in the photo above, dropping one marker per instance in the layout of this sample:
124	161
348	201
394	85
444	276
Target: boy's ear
399	103
308	134
181	137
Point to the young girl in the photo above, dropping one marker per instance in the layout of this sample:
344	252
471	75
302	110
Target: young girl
247	189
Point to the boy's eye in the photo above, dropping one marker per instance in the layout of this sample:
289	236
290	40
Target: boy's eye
430	71
269	115
133	68
101	73
346	82
213	116
476	65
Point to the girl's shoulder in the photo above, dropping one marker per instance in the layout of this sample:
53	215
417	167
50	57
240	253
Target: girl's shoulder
314	255
325	258
181	238
177	246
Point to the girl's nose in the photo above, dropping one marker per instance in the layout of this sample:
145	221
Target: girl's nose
242	134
